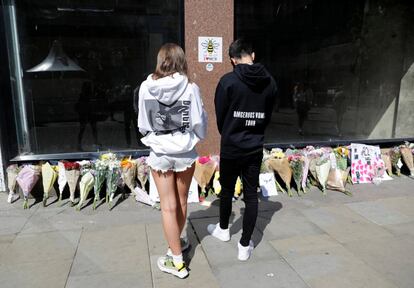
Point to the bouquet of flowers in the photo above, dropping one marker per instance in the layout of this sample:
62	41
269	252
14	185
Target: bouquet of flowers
204	170
143	197
216	183
62	181
142	171
407	156
238	188
49	176
86	183
280	165
113	178
296	163
99	173
72	173
339	172
27	179
385	155
321	172
395	156
129	173
12	171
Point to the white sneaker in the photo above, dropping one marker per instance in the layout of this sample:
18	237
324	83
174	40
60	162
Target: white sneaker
166	264
12	197
245	252
216	231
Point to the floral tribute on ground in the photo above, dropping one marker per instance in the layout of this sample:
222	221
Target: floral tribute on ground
326	168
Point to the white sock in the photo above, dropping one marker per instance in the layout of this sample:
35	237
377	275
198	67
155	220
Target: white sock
178	260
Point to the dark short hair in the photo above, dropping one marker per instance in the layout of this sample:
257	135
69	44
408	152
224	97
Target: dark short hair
239	48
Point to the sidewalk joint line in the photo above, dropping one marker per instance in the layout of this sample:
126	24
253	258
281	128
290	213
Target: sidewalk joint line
74	256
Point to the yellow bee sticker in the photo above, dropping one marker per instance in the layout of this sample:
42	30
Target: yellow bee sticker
210	49
210	45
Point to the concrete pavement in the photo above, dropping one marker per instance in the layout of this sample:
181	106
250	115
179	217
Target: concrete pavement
311	241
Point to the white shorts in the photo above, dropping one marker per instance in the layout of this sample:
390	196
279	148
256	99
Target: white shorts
174	162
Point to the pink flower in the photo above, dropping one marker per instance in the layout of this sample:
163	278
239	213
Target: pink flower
204	159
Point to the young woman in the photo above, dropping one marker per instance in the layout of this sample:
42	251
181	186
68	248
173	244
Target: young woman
172	119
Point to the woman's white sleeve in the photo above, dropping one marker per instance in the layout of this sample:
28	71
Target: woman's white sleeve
143	124
198	114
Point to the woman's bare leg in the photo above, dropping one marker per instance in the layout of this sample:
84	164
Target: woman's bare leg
166	186
183	182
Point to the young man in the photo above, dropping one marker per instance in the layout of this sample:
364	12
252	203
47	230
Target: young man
244	102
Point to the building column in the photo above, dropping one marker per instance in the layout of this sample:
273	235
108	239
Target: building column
209	19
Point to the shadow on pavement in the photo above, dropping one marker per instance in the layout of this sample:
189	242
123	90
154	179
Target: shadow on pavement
267	209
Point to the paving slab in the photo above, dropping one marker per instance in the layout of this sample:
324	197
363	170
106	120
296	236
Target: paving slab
39	274
200	271
264	274
285	223
58	246
121	249
108	279
323	262
386	211
221	254
404	229
344	225
393	257
12	224
5	242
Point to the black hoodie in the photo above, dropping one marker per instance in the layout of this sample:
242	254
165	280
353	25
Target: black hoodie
244	102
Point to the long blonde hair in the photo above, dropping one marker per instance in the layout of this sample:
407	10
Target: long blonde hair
170	59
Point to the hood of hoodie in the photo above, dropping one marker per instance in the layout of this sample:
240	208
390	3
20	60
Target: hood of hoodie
254	75
169	89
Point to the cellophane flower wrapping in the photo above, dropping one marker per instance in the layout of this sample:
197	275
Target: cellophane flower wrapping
62	181
143	197
282	168
339	171
129	173
407	157
322	167
385	156
296	163
395	156
113	180
12	171
204	169
27	179
99	171
85	186
216	183
49	176
142	171
72	173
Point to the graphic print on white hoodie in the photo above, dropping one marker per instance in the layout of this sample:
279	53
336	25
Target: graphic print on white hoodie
171	114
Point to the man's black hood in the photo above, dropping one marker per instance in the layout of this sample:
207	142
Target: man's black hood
254	75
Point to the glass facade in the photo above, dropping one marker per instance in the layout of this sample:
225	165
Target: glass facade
74	67
344	68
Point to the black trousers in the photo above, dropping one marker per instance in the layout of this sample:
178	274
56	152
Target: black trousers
248	167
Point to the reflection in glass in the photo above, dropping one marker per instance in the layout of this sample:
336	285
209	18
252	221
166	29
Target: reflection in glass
84	99
339	66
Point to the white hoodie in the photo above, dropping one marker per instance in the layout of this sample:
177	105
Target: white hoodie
166	106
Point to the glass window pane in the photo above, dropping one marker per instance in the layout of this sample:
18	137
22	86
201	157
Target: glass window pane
81	62
342	67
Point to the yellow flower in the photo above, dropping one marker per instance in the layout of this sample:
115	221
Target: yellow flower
343	151
278	155
216	183
238	187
